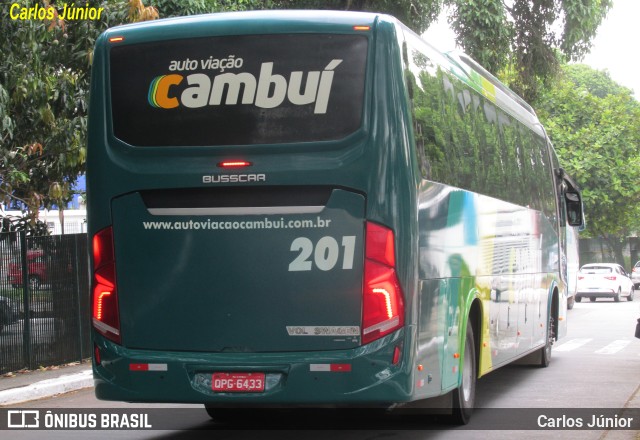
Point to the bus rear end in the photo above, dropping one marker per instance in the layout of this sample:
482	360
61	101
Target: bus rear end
242	254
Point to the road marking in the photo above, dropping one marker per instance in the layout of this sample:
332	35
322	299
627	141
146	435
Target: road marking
614	347
572	344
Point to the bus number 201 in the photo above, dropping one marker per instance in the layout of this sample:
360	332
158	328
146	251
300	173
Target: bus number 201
325	254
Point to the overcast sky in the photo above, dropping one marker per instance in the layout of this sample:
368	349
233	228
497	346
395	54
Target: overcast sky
615	47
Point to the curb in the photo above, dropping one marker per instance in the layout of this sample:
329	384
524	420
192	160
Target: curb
47	388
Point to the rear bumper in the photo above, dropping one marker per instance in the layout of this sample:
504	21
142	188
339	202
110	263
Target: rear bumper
603	293
367	375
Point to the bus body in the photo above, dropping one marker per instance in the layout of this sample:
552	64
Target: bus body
310	208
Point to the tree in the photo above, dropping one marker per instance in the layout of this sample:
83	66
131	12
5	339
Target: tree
44	83
521	35
594	124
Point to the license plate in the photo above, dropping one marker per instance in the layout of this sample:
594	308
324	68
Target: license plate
238	382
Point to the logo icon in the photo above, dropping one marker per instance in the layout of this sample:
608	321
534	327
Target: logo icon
23	418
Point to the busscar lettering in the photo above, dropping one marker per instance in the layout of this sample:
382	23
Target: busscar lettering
268	90
233	178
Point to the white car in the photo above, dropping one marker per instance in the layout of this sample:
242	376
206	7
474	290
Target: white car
604	280
635	275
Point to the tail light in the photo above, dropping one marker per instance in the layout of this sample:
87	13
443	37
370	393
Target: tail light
611	277
106	317
581	277
382	305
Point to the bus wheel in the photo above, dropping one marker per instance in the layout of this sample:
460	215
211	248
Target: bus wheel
545	352
464	397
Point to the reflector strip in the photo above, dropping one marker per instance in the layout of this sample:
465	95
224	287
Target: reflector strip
116	39
383	326
105	328
148	367
333	368
361	28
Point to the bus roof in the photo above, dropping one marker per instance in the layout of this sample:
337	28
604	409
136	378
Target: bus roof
315	21
247	22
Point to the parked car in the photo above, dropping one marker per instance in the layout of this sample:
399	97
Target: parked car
8	312
635	275
37	268
604	280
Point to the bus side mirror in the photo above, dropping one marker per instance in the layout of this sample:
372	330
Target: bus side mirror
573	199
574	208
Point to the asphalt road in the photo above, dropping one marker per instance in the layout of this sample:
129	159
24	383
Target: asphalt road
596	366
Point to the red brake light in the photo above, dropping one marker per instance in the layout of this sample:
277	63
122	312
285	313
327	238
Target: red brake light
106	316
611	277
380	246
382	305
234	164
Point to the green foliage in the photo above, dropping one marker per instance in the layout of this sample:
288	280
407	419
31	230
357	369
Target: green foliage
581	22
596	82
44	83
521	36
595	126
483	30
33	228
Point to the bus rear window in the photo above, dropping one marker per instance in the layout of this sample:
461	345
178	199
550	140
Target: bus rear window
238	90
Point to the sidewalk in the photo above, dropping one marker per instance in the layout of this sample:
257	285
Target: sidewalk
39	384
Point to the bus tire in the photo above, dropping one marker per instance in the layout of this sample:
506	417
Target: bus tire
545	352
464	396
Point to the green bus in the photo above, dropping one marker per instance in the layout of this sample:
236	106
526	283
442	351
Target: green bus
315	208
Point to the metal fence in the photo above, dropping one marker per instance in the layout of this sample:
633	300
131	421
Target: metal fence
45	320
